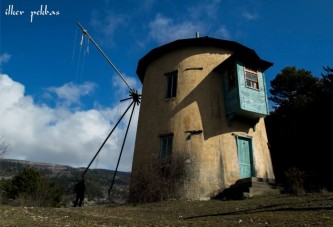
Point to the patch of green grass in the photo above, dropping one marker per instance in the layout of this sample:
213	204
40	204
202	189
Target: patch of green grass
282	210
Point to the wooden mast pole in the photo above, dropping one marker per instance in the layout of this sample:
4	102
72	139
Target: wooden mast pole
135	100
85	32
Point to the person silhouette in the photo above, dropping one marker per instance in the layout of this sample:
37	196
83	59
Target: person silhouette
79	189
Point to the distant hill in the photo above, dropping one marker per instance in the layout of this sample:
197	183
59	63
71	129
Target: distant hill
98	181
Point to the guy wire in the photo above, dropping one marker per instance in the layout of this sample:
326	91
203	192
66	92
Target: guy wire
75	38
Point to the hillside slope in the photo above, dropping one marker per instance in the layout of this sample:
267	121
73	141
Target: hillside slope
98	181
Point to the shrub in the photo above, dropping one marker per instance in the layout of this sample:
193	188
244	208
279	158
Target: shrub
296	180
30	188
154	182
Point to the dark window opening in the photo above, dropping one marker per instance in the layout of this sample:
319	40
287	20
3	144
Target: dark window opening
165	148
171	89
231	76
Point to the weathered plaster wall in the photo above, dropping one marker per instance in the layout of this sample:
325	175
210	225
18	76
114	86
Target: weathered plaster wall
210	158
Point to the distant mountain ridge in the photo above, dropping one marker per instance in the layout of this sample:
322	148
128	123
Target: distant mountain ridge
41	164
97	180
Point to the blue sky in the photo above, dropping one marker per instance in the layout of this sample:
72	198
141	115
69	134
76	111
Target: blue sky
59	100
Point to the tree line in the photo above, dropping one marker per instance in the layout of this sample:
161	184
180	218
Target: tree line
299	128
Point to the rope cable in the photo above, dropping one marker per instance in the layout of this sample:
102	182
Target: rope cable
78	64
74	45
81	42
88	46
96	162
84	32
85	43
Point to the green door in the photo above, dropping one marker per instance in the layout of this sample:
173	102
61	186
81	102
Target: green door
244	146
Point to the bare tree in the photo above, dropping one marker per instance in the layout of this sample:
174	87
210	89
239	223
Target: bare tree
4	148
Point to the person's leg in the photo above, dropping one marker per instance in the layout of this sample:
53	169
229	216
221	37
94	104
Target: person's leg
81	200
76	201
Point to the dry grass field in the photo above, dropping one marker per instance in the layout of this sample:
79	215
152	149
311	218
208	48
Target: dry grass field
280	210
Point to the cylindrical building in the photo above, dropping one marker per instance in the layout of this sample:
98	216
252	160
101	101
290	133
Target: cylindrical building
201	124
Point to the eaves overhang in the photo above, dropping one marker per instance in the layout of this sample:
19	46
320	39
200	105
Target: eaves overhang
240	51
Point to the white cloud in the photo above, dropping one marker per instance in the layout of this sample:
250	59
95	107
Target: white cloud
148	4
121	89
108	23
59	135
4	58
71	93
205	9
249	16
164	29
224	33
10	92
197	17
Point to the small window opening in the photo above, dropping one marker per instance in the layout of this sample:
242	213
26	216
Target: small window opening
171	89
231	76
165	148
251	78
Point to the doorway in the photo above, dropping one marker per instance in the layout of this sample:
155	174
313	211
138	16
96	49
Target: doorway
245	157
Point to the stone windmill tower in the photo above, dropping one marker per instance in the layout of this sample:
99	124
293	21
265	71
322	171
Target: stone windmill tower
201	118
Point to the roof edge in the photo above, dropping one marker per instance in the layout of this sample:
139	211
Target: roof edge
236	47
